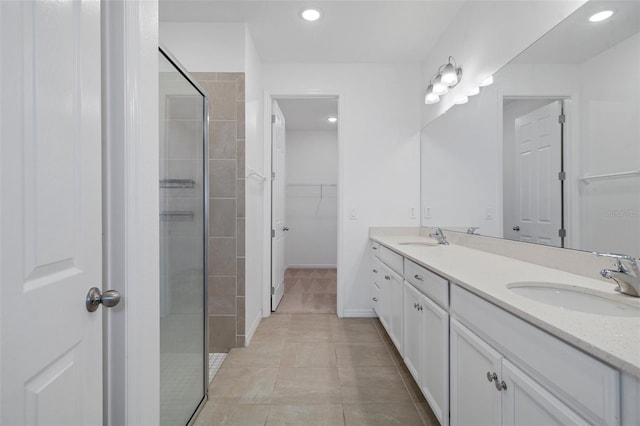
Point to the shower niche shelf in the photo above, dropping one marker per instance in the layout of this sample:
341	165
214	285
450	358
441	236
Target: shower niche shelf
177	183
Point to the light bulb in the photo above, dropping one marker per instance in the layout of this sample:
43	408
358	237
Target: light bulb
430	97
332	119
439	88
450	75
461	100
474	91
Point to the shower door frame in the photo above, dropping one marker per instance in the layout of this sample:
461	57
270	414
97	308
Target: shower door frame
205	222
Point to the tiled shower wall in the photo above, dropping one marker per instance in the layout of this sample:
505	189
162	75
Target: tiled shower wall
226	209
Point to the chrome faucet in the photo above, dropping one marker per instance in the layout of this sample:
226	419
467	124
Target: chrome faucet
626	274
438	235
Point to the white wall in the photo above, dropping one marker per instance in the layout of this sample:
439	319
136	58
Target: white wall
379	170
462	150
206	46
486	35
256	236
311	211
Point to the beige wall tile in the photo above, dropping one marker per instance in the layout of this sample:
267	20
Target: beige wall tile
222	139
240	310
222	178
222	333
222	95
240	271
222	295
240	119
240	156
222	217
240	243
222	256
240	197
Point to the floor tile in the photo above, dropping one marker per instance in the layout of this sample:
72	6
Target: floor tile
257	355
363	355
371	385
217	413
244	385
307	386
307	415
308	354
401	414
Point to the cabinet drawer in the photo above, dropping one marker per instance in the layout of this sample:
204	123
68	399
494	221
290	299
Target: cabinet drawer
586	385
391	258
434	286
375	249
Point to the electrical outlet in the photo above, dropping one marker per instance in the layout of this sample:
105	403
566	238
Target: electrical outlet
427	213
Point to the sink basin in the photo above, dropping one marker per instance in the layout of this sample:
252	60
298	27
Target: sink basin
573	298
420	243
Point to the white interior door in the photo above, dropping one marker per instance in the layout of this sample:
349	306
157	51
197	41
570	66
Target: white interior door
50	199
538	162
278	226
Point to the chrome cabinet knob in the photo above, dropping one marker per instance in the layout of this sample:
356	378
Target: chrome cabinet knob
285	228
516	228
500	385
375	271
418	277
491	376
387	277
109	299
375	299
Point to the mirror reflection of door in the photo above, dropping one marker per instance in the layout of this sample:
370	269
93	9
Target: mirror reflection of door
533	162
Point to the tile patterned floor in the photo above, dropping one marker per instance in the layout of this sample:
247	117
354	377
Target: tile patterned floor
309	291
215	362
315	369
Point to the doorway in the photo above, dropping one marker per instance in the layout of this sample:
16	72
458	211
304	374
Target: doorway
533	167
304	205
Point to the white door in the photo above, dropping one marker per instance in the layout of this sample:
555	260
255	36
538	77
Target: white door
435	358
50	198
278	227
526	403
474	399
538	162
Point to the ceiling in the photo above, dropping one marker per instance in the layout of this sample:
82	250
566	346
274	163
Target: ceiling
349	31
575	40
309	114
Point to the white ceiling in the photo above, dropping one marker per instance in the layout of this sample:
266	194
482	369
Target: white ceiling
575	40
350	31
309	114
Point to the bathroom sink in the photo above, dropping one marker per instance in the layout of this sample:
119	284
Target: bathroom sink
420	243
573	298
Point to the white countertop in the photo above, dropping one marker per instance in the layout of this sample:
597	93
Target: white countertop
614	340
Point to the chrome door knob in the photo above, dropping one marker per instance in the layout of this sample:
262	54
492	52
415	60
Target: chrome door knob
516	228
285	229
109	299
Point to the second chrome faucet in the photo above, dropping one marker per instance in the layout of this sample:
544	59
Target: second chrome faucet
626	274
439	235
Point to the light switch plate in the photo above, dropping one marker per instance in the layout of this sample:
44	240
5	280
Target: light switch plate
353	214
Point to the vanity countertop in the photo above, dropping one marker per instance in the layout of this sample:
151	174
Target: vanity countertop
614	340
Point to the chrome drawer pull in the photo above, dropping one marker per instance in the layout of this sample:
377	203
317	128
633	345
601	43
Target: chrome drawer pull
387	277
375	299
418	277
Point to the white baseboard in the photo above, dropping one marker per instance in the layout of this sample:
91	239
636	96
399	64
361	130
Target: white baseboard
307	266
359	313
252	329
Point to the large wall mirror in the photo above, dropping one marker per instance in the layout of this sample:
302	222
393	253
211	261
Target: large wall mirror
550	152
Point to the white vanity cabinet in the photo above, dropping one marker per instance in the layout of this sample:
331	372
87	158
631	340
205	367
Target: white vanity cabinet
395	321
506	371
426	337
387	269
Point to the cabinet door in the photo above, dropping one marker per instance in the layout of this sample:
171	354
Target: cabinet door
396	307
435	358
376	289
474	400
525	402
375	297
384	295
412	331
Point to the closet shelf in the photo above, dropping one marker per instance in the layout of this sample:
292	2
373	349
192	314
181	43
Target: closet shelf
588	179
177	183
177	216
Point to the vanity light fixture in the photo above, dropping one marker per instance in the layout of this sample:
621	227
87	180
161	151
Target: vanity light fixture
601	16
332	119
474	91
487	82
310	15
447	77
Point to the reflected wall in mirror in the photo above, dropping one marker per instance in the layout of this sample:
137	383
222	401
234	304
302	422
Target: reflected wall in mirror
550	153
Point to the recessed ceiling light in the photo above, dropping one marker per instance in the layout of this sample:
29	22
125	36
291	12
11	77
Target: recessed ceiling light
601	16
310	15
332	119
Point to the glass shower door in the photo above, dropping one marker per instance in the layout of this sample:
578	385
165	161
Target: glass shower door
183	153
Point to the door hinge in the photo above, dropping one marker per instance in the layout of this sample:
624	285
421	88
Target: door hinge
273	291
273	233
273	175
562	118
562	175
562	233
273	118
